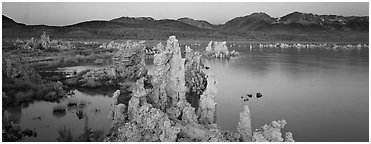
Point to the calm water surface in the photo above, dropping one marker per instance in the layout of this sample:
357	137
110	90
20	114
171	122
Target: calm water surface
39	116
321	93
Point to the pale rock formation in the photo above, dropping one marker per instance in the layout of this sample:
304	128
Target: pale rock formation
44	39
244	125
207	109
169	75
188	49
209	47
44	43
219	50
289	137
115	96
128	65
148	124
272	133
160	112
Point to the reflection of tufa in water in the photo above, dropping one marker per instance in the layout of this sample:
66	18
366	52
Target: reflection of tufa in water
59	110
89	135
37	118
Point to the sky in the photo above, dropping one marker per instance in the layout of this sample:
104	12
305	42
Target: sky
59	14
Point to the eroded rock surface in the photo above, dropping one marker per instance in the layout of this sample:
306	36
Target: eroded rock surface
194	76
272	133
161	112
168	79
128	65
219	50
244	125
207	108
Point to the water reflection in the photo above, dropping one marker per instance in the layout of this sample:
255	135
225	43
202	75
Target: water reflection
49	120
89	135
318	91
15	113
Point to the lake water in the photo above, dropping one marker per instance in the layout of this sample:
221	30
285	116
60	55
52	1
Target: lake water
321	93
39	116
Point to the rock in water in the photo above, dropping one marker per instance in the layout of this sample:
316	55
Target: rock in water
160	112
249	95
119	113
209	47
219	50
244	125
258	95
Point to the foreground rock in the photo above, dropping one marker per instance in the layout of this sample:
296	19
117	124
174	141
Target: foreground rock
162	112
219	50
244	125
194	76
272	133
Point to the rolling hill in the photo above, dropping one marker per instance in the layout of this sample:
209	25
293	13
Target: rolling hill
256	26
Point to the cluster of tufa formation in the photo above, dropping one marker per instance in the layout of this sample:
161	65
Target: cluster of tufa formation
272	133
117	45
44	43
219	50
160	110
128	66
113	45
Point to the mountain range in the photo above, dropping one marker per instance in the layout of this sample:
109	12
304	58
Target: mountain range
258	26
